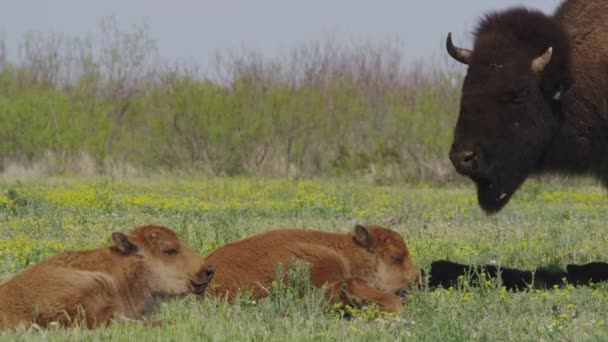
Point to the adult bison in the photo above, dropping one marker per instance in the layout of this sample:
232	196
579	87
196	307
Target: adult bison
447	273
370	264
534	99
121	281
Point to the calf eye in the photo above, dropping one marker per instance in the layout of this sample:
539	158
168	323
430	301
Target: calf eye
170	251
397	259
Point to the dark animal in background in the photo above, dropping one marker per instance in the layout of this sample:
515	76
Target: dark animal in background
593	272
447	274
534	99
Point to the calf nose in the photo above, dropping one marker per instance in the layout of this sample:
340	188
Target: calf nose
403	293
209	272
465	162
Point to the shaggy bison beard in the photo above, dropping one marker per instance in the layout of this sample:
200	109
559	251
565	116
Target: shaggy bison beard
494	194
497	183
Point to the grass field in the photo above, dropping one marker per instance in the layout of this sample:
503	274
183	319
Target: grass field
545	224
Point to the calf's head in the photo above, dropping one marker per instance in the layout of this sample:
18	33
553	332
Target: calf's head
169	265
392	268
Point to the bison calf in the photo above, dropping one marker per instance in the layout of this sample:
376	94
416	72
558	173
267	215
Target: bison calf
94	286
370	264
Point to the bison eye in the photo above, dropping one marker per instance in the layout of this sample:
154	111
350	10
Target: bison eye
516	96
397	259
170	251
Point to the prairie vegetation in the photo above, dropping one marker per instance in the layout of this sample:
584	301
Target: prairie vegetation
545	225
98	134
106	103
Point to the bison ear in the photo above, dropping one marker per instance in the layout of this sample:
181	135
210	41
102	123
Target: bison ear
364	238
123	244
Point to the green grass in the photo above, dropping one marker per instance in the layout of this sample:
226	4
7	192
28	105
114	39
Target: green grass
544	224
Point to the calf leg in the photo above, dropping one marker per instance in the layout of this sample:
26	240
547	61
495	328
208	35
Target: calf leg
350	290
330	269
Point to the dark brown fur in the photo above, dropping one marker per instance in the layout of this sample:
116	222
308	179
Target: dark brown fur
447	274
515	122
95	286
450	274
372	263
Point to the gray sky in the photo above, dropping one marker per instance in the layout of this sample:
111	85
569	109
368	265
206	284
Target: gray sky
192	30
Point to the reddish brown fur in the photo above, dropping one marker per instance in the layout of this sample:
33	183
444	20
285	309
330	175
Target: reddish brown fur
373	263
94	286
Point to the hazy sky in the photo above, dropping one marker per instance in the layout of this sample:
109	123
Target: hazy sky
194	29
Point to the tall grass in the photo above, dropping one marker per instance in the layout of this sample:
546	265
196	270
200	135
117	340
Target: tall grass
323	108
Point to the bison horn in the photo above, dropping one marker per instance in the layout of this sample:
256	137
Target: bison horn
459	54
539	63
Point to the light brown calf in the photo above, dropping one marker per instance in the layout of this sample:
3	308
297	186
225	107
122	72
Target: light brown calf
95	286
371	264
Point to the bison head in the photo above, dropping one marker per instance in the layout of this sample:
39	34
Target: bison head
394	270
510	106
168	265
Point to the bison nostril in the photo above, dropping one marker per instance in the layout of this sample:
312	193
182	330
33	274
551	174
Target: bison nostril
403	293
209	271
468	157
465	161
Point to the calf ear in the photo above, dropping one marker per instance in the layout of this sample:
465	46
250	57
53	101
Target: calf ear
364	238
123	244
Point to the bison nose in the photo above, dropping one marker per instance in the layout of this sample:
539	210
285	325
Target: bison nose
403	293
209	272
205	274
465	162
